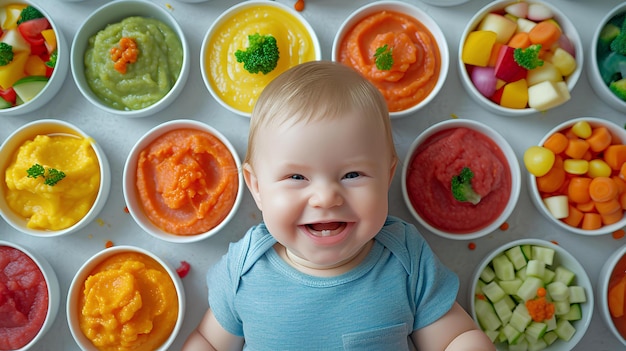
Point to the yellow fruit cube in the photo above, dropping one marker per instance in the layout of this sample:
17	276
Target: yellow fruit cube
50	39
12	14
563	61
12	72
547	71
547	94
515	94
477	48
503	27
35	66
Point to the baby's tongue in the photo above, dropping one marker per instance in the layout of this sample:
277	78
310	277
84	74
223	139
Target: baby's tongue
325	226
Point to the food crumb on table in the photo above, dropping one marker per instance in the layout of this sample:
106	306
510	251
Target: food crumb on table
618	234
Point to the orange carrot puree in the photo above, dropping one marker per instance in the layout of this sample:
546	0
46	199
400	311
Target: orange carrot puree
417	60
187	181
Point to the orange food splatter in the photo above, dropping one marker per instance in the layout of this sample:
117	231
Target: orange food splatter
299	5
471	246
540	309
108	244
504	226
126	52
554	242
126	209
618	234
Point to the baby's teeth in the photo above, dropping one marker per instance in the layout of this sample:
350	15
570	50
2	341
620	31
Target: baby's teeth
325	232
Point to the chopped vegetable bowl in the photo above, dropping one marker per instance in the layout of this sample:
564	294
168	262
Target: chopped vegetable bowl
34	58
531	294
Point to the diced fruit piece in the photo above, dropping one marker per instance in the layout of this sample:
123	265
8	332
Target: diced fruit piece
12	72
518	9
35	66
525	25
538	160
29	87
546	95
557	206
545	72
50	39
563	61
477	48
539	12
515	95
13	12
4	104
506	68
502	26
15	39
31	30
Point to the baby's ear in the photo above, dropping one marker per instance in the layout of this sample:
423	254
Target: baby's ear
253	184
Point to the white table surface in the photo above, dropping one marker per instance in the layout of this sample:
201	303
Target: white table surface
117	135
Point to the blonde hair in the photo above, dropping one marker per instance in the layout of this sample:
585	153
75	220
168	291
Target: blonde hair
314	91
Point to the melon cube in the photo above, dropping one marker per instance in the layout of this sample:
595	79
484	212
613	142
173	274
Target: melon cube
547	94
515	95
12	72
502	26
542	73
477	48
525	25
563	61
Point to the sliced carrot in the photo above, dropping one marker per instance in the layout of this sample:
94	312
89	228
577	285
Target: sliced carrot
621	184
574	217
556	142
618	234
615	156
622	172
616	298
622	200
588	156
569	133
611	218
552	180
519	40
576	148
586	206
545	33
495	52
591	221
608	207
600	139
602	189
578	190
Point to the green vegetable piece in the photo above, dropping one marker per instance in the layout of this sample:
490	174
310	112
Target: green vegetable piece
6	54
618	88
528	57
618	44
383	57
51	178
29	13
462	187
261	55
52	62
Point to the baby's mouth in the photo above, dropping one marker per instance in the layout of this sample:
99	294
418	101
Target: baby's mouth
326	229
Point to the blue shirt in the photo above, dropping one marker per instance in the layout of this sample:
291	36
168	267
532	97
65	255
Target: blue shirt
400	286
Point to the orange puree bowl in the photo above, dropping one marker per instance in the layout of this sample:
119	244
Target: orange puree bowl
51	127
158	202
427	179
611	279
136	272
608	226
489	96
45	306
561	258
418	47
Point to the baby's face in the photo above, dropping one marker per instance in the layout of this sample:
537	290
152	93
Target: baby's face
322	186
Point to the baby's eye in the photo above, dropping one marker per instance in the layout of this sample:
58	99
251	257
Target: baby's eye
352	175
296	177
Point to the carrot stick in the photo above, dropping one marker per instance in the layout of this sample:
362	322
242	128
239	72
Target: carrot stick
608	207
556	142
600	139
545	33
575	217
591	221
615	156
519	40
551	181
611	218
578	190
576	148
602	189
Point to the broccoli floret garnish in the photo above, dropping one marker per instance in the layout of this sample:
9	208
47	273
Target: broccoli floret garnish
462	187
618	88
618	44
261	55
29	13
6	54
384	58
52	61
528	57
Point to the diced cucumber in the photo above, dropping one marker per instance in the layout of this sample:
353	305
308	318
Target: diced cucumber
479	287
510	286
537	345
548	276
561	307
535	331
487	275
528	252
536	268
503	310
577	294
558	291
574	313
492	335
29	87
510	302
503	268
520	318
521	345
4	103
564	329
564	275
486	315
544	254
516	256
493	292
528	289
550	337
521	274
512	334
551	323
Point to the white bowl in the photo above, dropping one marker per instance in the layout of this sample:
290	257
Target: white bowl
53	290
77	285
259	21
508	154
568	29
444	3
618	134
602	290
416	13
595	78
56	80
114	12
133	201
562	258
50	127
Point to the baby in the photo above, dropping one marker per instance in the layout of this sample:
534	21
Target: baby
328	269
